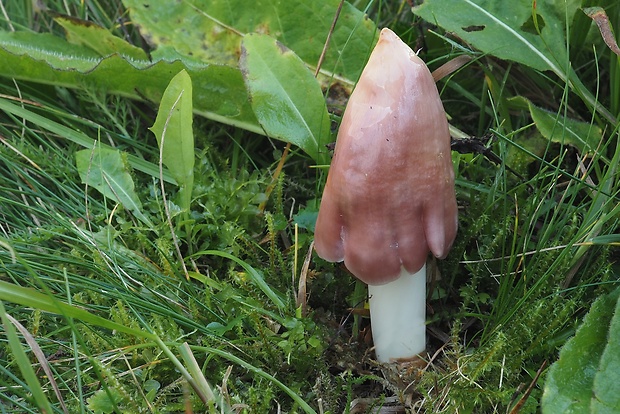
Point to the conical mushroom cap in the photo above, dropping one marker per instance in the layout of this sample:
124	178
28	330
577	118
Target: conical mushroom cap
389	197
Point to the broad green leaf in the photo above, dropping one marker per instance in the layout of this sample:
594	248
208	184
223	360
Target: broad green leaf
219	94
206	45
285	96
212	30
105	170
530	33
607	381
100	40
505	29
573	384
306	218
175	137
559	129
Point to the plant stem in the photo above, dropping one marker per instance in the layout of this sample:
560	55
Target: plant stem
398	316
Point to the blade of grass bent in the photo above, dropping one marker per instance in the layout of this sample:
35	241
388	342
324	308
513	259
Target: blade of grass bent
254	274
206	392
232	358
43	362
24	364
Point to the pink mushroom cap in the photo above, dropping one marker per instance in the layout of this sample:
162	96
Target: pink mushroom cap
389	199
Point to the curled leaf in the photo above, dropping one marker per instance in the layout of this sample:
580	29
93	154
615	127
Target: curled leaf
602	21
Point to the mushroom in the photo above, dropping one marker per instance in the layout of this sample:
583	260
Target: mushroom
389	198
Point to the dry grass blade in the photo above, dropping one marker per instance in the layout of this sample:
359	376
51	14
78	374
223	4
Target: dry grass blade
519	405
38	353
450	67
329	37
302	297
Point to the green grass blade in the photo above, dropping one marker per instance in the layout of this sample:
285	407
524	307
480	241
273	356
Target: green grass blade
37	300
258	371
254	274
79	138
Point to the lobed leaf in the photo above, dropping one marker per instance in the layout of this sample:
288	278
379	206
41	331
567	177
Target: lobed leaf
220	94
212	30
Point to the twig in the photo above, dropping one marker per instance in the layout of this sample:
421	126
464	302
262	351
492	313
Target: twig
329	38
517	407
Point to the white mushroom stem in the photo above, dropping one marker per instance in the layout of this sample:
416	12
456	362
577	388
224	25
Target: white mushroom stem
398	316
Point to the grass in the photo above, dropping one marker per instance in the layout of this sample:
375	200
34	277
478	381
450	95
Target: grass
120	326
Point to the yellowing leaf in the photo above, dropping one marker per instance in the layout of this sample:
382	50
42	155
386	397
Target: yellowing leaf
82	32
212	30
